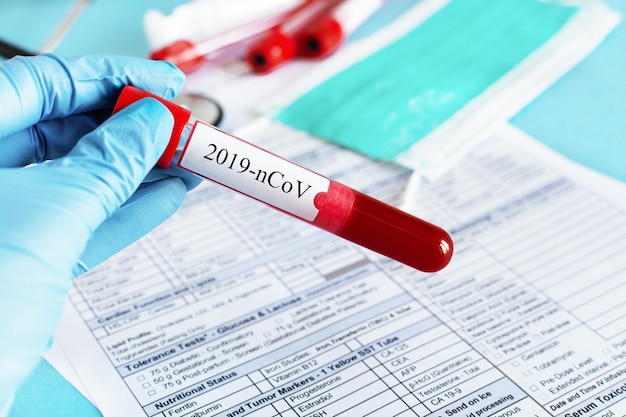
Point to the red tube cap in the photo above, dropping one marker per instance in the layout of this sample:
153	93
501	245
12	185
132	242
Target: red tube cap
320	37
271	52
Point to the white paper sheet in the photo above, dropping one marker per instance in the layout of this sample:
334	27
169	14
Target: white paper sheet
233	309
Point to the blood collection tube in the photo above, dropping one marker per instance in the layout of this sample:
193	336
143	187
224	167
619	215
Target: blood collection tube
189	56
279	45
299	192
327	31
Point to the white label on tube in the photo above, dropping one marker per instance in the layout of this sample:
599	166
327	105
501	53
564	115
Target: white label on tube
237	164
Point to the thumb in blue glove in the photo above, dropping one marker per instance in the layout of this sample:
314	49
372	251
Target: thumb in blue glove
55	212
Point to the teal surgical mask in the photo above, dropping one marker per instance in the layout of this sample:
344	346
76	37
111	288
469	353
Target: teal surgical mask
387	102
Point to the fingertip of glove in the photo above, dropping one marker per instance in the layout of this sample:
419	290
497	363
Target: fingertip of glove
108	164
159	77
176	79
156	109
150	115
64	85
146	105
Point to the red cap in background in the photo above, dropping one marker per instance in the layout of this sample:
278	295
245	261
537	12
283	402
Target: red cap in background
320	37
274	50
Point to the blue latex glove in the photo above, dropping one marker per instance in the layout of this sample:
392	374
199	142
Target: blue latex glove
63	216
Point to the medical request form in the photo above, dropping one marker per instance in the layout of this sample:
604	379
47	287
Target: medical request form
232	309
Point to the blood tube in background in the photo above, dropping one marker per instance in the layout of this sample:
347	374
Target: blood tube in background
326	32
188	56
314	31
279	45
299	192
269	41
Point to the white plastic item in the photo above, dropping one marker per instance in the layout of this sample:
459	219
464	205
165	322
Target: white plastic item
353	13
202	19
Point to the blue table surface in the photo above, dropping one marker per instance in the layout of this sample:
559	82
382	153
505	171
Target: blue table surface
582	116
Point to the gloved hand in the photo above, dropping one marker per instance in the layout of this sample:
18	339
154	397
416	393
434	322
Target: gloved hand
86	202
